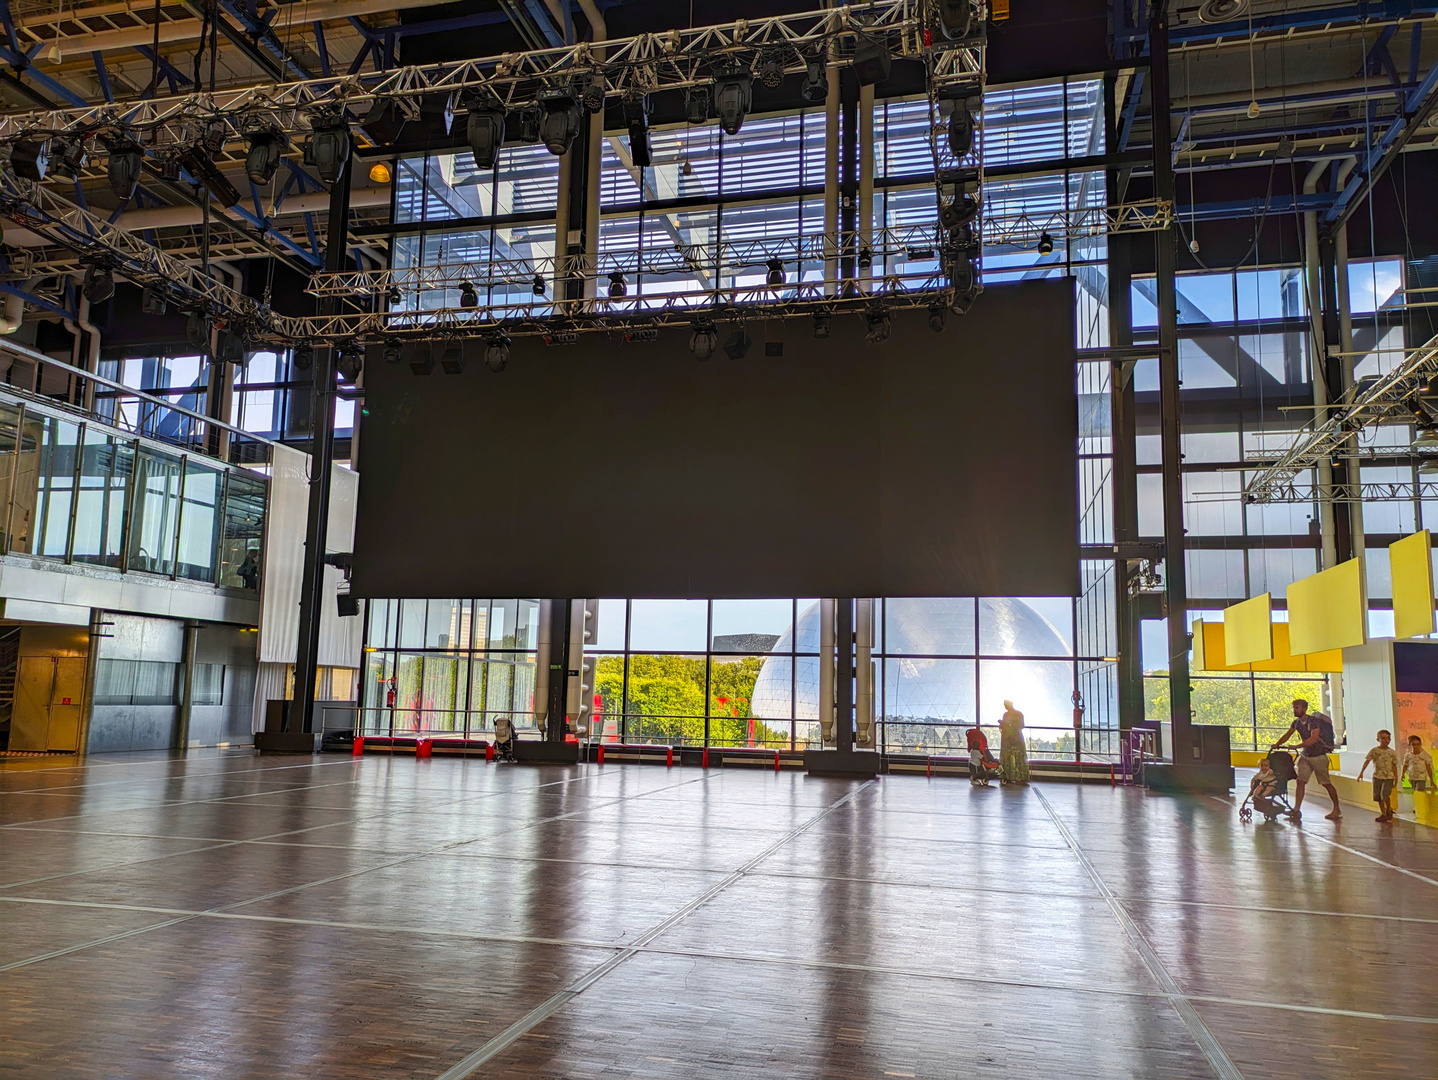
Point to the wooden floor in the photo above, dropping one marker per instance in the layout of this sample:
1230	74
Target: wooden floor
224	915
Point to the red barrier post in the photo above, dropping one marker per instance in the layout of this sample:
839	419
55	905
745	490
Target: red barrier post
776	761
489	751
929	767
423	748
601	753
669	758
705	762
359	746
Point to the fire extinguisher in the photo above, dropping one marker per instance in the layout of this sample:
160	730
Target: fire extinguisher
1078	710
390	693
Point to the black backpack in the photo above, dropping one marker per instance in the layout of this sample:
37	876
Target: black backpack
1326	739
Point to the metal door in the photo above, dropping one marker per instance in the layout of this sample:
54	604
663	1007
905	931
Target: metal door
48	702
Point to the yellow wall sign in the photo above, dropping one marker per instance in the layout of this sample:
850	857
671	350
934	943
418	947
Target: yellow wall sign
1248	631
1411	562
1329	610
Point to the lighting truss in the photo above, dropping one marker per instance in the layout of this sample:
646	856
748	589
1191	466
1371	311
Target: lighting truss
1385	401
1023	230
671	59
98	242
1366	492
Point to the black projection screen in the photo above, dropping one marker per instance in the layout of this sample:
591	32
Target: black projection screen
935	465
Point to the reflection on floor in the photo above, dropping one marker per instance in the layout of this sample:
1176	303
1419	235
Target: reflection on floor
223	915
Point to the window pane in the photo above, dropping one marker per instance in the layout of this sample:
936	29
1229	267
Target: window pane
244	530
668	625
930	626
152	534
56	485
199	523
1040	689
666	699
1032	627
733	719
751	625
105	470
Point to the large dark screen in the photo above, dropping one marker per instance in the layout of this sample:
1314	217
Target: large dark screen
936	465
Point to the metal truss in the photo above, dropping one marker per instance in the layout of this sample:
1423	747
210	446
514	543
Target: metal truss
99	243
537	316
672	59
1386	401
1366	492
1024	230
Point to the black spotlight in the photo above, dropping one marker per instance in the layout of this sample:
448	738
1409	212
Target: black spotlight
703	339
393	354
304	356
350	363
452	361
872	62
468	296
30	158
421	358
938	313
965	275
592	95
955	17
617	287
263	156
538	285
737	347
696	103
775	276
771	70
961	130
152	300
561	120
866	258
68	156
1046	244
496	351
879	328
733	95
197	331
123	168
636	119
486	135
328	148
823	324
816	83
531	119
99	285
394	296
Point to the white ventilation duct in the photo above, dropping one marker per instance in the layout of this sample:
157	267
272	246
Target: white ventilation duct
13	316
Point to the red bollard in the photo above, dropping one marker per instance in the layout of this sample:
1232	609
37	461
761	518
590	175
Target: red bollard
489	751
359	747
705	763
669	758
776	761
929	767
601	753
423	748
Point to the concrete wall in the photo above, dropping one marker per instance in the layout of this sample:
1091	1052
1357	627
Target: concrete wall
137	727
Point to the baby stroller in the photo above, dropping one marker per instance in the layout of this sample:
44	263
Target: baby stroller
504	738
982	766
1275	802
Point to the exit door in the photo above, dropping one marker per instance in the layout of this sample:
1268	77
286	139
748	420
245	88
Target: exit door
48	702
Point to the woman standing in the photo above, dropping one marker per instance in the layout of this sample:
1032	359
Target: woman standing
1013	755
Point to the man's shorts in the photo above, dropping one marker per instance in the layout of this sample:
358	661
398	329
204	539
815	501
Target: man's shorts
1419	785
1383	792
1310	767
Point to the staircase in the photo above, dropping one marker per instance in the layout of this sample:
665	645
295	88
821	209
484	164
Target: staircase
9	664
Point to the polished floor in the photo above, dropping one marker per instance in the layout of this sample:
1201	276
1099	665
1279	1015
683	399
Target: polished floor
224	915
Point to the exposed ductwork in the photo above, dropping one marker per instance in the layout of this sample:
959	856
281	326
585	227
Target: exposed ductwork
14	314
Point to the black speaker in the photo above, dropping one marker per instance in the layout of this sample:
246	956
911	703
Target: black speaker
1210	746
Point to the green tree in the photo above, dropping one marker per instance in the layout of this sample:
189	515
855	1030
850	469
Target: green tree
666	699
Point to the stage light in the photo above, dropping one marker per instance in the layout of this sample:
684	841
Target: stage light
560	125
68	156
304	356
349	363
775	276
872	62
421	359
394	296
328	148
538	285
771	70
393	354
98	285
696	103
197	332
737	347
496	351
379	173
123	168
152	300
452	362
1428	466
263	156
961	130
866	258
636	119
938	314
592	95
468	296
816	83
30	158
617	287
1427	436
733	95
531	119
955	18
965	275
214	134
1046	244
823	324
703	339
485	131
878	326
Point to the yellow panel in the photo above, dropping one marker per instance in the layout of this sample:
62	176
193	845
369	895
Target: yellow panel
1329	610
1332	660
1248	631
1209	655
1411	562
1200	659
1283	660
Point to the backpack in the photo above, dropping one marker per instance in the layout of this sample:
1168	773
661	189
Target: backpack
1326	738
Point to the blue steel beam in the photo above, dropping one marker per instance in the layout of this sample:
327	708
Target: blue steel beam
36	301
321	47
1417	106
1365	11
103	74
264	36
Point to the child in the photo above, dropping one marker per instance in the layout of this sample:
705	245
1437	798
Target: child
1418	764
1263	787
1385	774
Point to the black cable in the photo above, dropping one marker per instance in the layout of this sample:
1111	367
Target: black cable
1262	220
